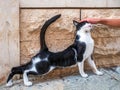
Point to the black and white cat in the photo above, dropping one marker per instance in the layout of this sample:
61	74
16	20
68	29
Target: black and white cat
45	61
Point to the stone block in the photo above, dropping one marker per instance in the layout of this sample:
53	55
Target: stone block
9	37
107	50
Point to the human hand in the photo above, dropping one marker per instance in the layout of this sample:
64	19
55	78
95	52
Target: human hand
92	20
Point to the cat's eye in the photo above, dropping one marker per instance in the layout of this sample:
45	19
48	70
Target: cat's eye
86	31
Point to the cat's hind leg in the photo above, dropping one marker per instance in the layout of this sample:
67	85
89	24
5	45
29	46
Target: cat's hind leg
14	70
25	78
81	69
93	66
9	81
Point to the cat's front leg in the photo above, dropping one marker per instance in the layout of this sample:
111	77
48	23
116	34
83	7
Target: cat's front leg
25	79
81	69
93	66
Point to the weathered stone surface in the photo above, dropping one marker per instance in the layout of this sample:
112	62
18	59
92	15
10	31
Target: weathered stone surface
26	52
9	37
107	39
58	36
70	3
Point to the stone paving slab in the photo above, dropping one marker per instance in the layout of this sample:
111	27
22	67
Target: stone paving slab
109	81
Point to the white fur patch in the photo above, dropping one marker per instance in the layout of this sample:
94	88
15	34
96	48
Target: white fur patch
10	83
25	78
36	60
51	68
81	69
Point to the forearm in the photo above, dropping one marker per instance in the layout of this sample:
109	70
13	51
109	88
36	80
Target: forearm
110	22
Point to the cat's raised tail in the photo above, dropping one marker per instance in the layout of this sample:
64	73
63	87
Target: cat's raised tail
43	30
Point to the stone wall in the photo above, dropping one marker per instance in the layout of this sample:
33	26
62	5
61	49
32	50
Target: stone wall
61	34
107	39
58	36
9	37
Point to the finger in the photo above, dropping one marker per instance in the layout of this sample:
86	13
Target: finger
83	20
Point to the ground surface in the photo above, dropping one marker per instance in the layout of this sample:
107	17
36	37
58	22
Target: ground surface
109	81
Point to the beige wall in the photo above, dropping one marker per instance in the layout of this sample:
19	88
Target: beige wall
70	3
59	35
107	39
9	37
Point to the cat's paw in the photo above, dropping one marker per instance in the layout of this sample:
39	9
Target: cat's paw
10	83
28	83
84	75
99	73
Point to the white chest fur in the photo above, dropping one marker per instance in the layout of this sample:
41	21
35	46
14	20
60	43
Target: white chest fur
87	39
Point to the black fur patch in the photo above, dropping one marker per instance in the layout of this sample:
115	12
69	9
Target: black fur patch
77	37
81	47
63	59
79	25
92	56
42	67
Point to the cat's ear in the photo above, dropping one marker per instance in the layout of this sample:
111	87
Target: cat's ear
75	22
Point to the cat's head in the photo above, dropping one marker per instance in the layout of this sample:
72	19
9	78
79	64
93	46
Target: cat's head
83	26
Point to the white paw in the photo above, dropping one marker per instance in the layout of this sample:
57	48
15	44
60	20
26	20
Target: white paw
9	84
28	83
84	75
99	73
